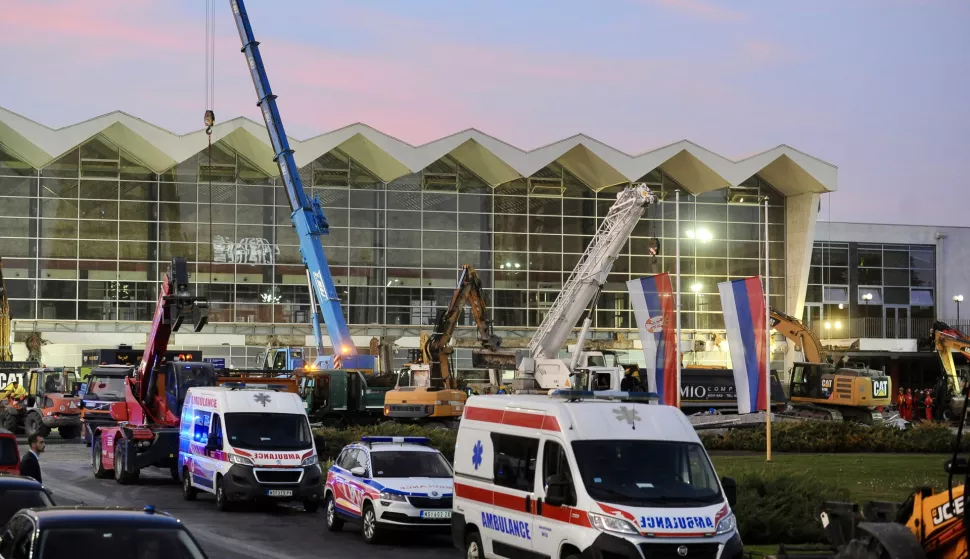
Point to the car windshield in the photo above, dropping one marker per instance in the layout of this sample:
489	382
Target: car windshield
269	431
119	541
12	500
111	389
394	463
647	473
8	451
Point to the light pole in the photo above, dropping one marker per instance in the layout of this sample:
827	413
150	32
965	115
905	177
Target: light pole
867	297
958	299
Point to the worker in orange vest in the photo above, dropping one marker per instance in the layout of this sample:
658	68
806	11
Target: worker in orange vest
928	401
909	405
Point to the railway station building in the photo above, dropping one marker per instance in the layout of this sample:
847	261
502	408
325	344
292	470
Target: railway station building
91	215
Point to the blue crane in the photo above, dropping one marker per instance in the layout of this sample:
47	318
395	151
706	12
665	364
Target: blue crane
307	217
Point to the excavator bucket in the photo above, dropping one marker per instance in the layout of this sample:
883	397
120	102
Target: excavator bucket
183	305
487	359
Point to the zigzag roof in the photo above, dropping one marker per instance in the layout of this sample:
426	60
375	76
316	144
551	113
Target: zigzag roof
597	164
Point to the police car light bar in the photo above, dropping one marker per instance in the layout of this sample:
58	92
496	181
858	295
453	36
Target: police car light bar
605	395
406	440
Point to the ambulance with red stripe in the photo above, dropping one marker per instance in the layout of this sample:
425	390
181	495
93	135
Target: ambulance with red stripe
243	443
587	474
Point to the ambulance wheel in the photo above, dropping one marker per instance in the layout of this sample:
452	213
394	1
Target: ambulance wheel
189	493
99	471
369	527
222	500
473	546
334	522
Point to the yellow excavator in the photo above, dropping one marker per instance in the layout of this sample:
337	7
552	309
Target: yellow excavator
820	390
5	353
949	390
928	525
427	388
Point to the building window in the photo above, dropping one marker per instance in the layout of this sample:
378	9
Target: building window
876	293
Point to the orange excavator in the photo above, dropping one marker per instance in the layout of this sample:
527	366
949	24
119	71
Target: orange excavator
946	342
820	390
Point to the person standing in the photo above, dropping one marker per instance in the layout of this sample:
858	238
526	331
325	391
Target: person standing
928	402
30	464
898	402
909	404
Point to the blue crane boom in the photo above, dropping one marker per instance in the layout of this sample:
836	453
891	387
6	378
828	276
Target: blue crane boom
307	216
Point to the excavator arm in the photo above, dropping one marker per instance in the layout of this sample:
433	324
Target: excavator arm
805	340
948	341
5	327
437	349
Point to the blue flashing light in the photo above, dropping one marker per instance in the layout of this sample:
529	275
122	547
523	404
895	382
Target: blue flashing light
150	509
406	440
605	395
234	385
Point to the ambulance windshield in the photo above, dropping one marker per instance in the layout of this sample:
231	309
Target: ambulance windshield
268	431
647	473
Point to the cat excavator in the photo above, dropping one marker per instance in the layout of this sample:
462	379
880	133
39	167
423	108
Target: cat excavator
427	388
820	390
946	342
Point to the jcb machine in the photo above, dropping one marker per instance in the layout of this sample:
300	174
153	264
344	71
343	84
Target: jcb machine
819	390
51	403
430	389
928	525
147	429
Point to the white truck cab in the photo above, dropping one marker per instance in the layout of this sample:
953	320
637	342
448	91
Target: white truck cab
591	474
242	443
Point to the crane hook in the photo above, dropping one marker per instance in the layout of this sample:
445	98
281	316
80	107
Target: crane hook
210	120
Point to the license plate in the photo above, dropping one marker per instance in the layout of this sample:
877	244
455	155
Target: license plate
436	514
279	492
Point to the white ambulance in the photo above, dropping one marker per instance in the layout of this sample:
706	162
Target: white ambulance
243	443
587	474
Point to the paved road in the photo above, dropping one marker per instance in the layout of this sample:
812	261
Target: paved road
253	532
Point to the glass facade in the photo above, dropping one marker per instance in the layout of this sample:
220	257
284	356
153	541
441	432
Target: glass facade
86	238
871	290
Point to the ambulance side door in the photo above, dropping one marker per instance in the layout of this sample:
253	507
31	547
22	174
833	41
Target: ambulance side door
508	527
203	471
554	522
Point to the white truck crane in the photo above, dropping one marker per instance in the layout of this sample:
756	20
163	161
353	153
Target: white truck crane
543	369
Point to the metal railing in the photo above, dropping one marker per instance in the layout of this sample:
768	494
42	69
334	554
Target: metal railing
889	328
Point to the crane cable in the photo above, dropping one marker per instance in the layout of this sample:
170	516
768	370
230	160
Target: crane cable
210	116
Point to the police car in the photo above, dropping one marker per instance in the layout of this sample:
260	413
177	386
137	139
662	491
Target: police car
387	483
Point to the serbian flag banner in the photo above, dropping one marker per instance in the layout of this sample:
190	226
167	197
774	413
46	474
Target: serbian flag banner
743	302
652	299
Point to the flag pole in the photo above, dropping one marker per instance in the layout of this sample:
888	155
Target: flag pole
677	265
767	344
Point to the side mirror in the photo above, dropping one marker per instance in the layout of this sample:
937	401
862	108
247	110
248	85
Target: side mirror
359	471
212	443
557	489
730	490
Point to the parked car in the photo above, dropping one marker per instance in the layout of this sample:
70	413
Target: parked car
20	492
56	532
9	452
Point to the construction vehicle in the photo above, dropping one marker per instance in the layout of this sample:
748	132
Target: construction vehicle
543	369
104	386
929	524
280	359
427	388
950	388
147	429
126	355
342	397
820	390
6	328
307	217
51	403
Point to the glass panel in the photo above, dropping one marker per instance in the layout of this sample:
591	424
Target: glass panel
923	297
876	294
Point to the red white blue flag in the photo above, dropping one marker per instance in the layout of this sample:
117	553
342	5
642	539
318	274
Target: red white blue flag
652	299
743	303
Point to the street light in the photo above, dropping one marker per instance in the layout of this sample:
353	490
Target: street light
958	299
867	297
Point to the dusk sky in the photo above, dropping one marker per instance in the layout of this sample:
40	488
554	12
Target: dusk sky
879	88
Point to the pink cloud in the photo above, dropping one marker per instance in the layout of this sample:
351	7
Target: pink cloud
766	51
701	9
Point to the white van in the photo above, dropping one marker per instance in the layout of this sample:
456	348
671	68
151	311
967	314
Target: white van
587	474
243	444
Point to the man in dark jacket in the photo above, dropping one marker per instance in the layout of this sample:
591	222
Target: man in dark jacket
30	463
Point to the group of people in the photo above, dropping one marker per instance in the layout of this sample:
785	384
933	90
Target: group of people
912	406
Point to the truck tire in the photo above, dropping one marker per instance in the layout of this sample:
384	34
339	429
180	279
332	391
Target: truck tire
99	471
8	421
122	475
69	432
34	423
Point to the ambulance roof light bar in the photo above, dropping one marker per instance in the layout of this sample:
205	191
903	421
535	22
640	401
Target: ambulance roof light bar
257	386
577	395
400	440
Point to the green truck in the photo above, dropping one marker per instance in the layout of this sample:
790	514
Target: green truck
343	397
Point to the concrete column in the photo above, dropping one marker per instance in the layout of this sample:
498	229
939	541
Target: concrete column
801	213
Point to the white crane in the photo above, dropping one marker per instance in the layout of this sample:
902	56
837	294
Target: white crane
543	366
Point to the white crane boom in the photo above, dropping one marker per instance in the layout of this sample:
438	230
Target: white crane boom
586	279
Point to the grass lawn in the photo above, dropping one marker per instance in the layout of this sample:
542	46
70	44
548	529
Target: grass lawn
867	477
